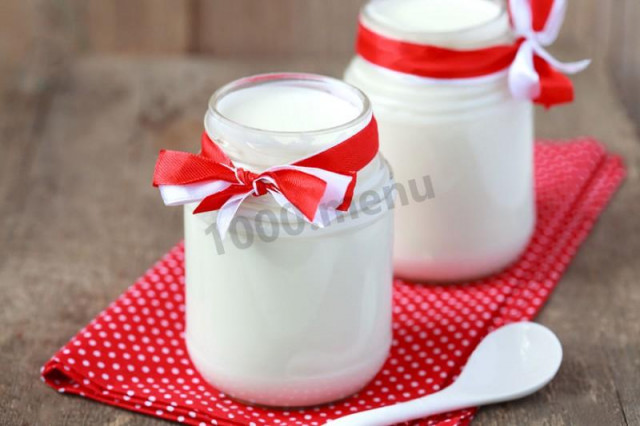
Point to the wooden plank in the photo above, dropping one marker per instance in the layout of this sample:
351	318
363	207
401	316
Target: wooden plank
282	28
36	43
276	27
624	55
15	37
608	32
141	26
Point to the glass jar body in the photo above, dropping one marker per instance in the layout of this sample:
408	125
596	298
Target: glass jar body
298	321
475	142
280	312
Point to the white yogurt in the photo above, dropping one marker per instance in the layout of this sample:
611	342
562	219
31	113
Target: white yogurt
286	108
434	15
471	137
300	319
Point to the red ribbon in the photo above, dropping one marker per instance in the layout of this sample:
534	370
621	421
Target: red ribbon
431	61
443	63
303	190
540	11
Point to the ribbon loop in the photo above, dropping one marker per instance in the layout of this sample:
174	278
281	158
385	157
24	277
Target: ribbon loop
538	22
325	180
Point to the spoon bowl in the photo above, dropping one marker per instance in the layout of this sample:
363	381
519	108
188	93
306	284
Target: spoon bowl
509	363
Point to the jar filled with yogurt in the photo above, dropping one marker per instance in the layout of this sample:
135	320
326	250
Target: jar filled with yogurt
469	135
281	312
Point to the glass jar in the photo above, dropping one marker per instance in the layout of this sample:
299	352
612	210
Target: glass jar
280	312
471	139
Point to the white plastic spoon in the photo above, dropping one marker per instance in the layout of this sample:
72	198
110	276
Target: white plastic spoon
510	363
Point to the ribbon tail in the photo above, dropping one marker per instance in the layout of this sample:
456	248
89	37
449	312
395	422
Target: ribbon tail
175	195
348	194
570	67
227	212
339	190
524	81
564	67
217	201
555	87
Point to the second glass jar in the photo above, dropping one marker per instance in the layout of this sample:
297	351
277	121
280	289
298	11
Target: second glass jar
469	140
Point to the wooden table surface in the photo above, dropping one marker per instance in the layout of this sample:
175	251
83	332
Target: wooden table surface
79	221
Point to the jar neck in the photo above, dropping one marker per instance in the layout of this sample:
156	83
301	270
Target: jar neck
454	24
274	119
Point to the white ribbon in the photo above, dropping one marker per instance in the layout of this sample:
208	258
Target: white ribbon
334	194
524	81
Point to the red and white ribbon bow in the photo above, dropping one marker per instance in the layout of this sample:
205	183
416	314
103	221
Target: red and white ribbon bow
324	181
537	24
533	73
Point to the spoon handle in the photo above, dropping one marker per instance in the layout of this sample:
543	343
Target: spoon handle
436	403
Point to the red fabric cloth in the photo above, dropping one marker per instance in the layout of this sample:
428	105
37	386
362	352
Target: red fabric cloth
133	356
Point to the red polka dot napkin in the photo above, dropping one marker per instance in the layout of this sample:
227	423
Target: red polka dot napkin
133	356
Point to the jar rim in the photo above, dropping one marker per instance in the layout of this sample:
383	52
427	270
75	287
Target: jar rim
366	13
330	85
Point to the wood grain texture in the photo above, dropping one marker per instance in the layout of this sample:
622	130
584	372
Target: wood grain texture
37	40
276	27
625	54
608	32
140	26
15	37
80	221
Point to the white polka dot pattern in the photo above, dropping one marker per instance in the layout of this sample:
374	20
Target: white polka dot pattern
133	355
